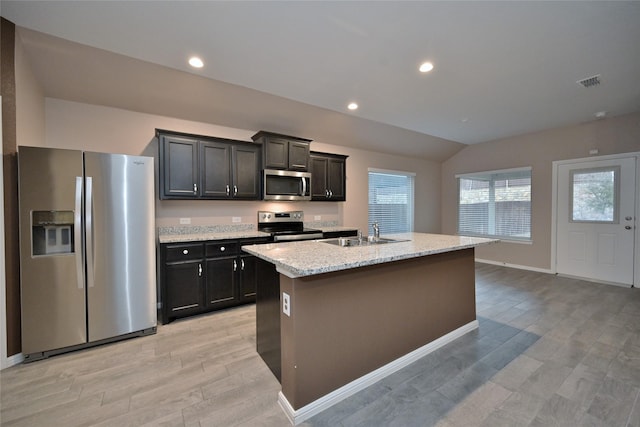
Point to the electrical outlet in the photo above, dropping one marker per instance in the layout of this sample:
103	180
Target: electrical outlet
185	221
236	219
317	217
286	304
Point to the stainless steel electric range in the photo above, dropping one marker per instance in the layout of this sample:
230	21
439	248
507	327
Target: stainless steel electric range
286	226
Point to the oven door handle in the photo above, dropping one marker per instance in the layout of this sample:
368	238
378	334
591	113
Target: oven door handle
296	237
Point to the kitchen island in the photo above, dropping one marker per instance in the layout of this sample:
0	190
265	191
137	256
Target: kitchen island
356	314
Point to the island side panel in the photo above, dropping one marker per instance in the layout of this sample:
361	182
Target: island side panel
346	324
268	316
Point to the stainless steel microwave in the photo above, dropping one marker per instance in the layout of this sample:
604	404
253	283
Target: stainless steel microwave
286	185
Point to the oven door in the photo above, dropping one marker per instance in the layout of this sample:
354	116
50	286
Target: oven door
286	185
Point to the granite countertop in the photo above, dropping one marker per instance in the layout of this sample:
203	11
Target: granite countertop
328	229
306	258
229	235
197	233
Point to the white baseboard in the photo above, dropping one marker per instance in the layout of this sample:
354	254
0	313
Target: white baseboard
602	282
298	416
518	266
7	362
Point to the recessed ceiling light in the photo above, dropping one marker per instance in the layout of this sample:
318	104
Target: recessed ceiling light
352	106
196	62
425	67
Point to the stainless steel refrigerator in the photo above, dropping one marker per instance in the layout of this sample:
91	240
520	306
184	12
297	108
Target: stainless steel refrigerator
87	249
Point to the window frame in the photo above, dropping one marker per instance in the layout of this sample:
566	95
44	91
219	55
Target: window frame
410	220
491	174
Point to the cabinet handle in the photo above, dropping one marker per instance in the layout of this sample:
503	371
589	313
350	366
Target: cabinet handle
227	190
330	193
235	190
195	188
235	265
242	264
185	252
326	193
222	248
200	270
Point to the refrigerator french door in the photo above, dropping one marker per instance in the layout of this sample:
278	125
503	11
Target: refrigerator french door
87	248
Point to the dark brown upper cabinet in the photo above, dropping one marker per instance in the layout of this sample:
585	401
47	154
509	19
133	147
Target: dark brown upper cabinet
201	167
328	172
283	151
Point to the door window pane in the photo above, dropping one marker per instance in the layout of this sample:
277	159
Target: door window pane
594	194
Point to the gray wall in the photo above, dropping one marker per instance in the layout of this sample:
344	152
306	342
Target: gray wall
538	150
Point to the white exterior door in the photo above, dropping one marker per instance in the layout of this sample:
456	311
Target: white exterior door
596	219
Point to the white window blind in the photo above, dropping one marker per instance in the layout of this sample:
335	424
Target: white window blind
495	204
391	201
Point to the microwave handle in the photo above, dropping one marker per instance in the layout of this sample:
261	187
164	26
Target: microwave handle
304	186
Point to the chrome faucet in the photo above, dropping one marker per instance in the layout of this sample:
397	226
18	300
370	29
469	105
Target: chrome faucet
376	230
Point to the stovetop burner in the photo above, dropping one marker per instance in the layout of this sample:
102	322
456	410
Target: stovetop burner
286	226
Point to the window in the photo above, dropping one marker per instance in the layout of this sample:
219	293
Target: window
391	201
495	204
594	194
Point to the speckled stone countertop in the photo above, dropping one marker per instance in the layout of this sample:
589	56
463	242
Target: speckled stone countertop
306	258
196	233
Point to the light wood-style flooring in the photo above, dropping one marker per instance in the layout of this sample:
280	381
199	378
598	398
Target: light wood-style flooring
549	351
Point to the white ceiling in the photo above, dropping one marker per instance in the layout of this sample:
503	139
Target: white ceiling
501	68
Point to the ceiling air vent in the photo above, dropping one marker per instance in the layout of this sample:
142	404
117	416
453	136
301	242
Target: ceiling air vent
590	81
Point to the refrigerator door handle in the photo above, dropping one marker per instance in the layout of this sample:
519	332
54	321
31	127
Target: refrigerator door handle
88	216
77	231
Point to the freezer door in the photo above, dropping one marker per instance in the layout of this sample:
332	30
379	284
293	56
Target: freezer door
120	241
51	262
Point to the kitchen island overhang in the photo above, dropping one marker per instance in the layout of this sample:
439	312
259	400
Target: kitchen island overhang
358	314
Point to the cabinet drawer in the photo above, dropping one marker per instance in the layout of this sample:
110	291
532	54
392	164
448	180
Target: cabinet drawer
184	252
222	248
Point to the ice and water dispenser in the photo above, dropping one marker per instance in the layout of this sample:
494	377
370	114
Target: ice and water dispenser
52	232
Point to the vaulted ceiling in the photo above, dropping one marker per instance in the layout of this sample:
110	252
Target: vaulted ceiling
500	68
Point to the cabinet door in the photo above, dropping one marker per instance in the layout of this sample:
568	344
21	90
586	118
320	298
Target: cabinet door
276	153
246	171
215	170
221	282
298	155
336	180
183	289
179	172
248	278
319	167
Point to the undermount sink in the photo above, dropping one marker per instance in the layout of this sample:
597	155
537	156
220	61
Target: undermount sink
365	241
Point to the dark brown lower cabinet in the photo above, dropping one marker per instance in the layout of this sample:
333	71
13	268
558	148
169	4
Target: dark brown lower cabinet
198	277
221	283
184	290
248	278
